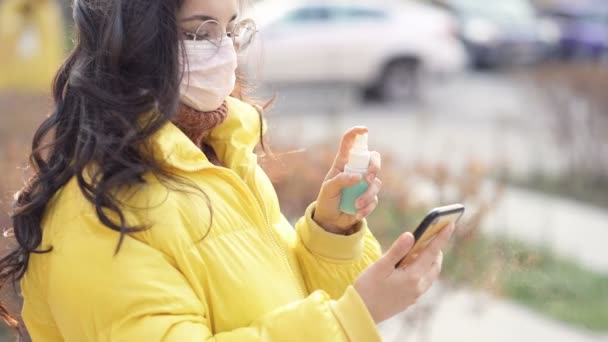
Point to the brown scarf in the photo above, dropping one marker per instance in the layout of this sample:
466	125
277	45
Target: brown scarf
197	125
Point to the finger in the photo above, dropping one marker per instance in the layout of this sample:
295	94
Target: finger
426	281
333	187
413	256
430	253
348	140
438	263
375	165
365	212
370	195
397	251
435	270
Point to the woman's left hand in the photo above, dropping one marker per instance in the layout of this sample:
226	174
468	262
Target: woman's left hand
327	213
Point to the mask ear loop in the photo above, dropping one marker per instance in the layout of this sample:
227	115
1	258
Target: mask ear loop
185	66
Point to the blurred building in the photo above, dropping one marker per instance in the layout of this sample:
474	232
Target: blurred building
32	43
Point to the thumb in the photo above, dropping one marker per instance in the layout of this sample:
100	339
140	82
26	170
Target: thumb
398	250
334	186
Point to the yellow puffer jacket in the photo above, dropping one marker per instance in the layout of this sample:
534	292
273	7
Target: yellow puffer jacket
248	277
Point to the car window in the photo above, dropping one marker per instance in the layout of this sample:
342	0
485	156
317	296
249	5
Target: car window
353	13
326	14
308	15
516	11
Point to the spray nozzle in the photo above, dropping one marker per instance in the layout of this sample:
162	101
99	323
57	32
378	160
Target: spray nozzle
359	155
361	142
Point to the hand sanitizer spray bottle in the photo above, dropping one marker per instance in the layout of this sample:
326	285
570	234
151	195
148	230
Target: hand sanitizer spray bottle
358	162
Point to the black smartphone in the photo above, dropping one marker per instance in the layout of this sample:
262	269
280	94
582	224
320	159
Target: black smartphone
433	223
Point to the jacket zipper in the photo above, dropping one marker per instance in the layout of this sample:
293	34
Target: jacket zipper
269	229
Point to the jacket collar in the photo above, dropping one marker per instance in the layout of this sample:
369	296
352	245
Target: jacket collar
233	139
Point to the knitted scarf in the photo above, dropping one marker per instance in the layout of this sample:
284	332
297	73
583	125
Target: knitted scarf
197	126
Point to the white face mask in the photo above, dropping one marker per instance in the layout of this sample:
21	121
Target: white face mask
210	74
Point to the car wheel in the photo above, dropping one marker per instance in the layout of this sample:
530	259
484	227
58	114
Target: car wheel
400	80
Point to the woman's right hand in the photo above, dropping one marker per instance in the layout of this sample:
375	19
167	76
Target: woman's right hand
386	290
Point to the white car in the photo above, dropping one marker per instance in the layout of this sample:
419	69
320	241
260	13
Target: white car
381	47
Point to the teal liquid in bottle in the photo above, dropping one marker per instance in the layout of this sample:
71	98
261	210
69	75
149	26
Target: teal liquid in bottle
350	195
358	163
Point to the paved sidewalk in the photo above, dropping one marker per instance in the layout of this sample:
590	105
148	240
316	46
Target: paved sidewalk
474	317
570	228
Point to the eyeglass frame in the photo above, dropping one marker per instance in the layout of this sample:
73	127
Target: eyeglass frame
192	36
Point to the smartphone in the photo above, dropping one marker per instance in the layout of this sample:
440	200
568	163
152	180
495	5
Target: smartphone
433	223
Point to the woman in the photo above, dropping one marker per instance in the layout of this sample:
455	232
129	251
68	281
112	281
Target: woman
149	219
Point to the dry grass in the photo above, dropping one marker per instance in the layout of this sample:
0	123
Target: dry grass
577	106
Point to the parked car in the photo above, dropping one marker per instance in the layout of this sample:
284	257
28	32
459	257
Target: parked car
384	49
583	25
504	32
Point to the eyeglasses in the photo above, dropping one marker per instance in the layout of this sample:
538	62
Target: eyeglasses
242	34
